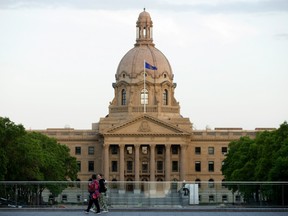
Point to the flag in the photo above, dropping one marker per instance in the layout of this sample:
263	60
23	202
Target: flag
151	67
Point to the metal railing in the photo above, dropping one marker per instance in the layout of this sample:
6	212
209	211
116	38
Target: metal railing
131	194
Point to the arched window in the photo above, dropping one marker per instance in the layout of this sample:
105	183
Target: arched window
198	181
123	97
144	96
165	97
211	183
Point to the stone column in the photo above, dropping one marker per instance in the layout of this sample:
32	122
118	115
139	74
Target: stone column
152	162
137	169
121	163
106	161
121	168
137	162
152	186
167	162
182	162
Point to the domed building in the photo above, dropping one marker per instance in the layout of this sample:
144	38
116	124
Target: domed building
144	118
144	137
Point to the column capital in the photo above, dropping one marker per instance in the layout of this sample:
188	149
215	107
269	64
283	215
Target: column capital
152	145
168	145
137	146
121	146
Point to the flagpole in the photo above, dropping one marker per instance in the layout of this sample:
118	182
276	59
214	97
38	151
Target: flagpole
144	89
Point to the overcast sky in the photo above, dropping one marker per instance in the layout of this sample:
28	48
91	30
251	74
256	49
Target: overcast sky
58	59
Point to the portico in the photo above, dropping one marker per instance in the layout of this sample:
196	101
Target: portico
145	155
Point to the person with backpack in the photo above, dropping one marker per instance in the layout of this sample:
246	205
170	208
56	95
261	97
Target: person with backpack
102	190
93	189
90	190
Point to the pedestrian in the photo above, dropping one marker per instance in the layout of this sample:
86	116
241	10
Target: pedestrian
102	190
93	189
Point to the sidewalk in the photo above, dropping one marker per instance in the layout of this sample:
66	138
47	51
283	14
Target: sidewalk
189	211
138	213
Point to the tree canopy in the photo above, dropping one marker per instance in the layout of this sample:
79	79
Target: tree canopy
264	158
33	156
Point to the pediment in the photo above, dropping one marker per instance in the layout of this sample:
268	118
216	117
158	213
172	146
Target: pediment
145	125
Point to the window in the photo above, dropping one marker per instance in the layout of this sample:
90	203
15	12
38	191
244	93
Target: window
123	97
144	150
160	150
198	181
211	198
114	149
224	198
224	150
77	150
174	166
114	166
78	198
144	167
144	96
165	97
159	166
197	150
211	183
211	166
91	150
197	166
91	166
64	198
79	166
175	149
211	150
129	150
129	166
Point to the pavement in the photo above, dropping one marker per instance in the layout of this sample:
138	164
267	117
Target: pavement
199	211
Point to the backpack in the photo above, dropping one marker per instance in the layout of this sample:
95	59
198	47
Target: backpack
91	187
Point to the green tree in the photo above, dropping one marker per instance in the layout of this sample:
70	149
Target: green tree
9	133
32	156
264	158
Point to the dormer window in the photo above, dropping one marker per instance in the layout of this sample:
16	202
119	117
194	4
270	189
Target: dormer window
165	97
123	97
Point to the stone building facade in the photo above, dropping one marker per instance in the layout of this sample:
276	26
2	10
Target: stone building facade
144	137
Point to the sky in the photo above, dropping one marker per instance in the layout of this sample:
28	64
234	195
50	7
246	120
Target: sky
58	59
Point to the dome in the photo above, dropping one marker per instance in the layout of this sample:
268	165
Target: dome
144	17
132	64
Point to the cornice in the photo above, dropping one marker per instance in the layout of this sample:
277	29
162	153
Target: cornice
75	140
145	135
